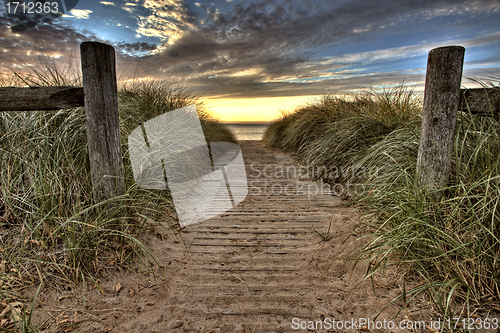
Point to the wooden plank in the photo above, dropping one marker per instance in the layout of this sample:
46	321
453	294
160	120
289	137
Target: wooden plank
252	237
231	287
277	226
480	101
253	269
40	98
242	293
101	112
264	218
288	313
241	244
254	232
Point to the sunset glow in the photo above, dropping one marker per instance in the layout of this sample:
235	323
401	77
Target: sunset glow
255	109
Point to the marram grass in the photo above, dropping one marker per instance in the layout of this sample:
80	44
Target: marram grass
333	133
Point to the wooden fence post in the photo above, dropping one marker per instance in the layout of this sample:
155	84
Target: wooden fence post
439	115
101	112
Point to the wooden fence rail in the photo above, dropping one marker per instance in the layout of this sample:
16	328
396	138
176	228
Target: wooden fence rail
99	95
40	98
481	101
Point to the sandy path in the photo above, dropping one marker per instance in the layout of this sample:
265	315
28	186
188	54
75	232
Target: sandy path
253	269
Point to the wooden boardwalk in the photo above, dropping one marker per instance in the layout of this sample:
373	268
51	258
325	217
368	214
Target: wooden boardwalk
260	267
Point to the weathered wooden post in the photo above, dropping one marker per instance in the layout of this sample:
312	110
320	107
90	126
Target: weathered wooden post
101	112
439	115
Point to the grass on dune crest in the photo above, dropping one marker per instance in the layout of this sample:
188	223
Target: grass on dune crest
51	232
329	136
451	244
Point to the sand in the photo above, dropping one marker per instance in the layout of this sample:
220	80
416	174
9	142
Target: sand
260	267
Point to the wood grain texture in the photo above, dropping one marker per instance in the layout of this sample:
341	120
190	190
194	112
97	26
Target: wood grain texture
480	101
439	115
101	110
40	98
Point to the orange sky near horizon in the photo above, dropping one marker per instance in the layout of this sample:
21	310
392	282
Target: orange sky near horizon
264	109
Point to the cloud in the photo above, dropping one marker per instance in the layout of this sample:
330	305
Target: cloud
107	3
166	19
55	43
405	52
79	13
236	88
135	48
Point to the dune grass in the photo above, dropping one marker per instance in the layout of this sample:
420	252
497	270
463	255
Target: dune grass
330	136
452	245
51	232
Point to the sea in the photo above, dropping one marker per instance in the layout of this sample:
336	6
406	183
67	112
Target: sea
248	131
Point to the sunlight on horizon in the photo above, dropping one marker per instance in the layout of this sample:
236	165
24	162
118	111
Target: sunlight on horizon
264	109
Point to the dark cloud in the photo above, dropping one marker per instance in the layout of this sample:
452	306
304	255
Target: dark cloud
135	48
40	49
224	87
45	39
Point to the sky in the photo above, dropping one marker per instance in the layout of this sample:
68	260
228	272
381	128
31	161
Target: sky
250	59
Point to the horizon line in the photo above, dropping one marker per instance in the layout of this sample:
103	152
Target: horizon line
232	122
